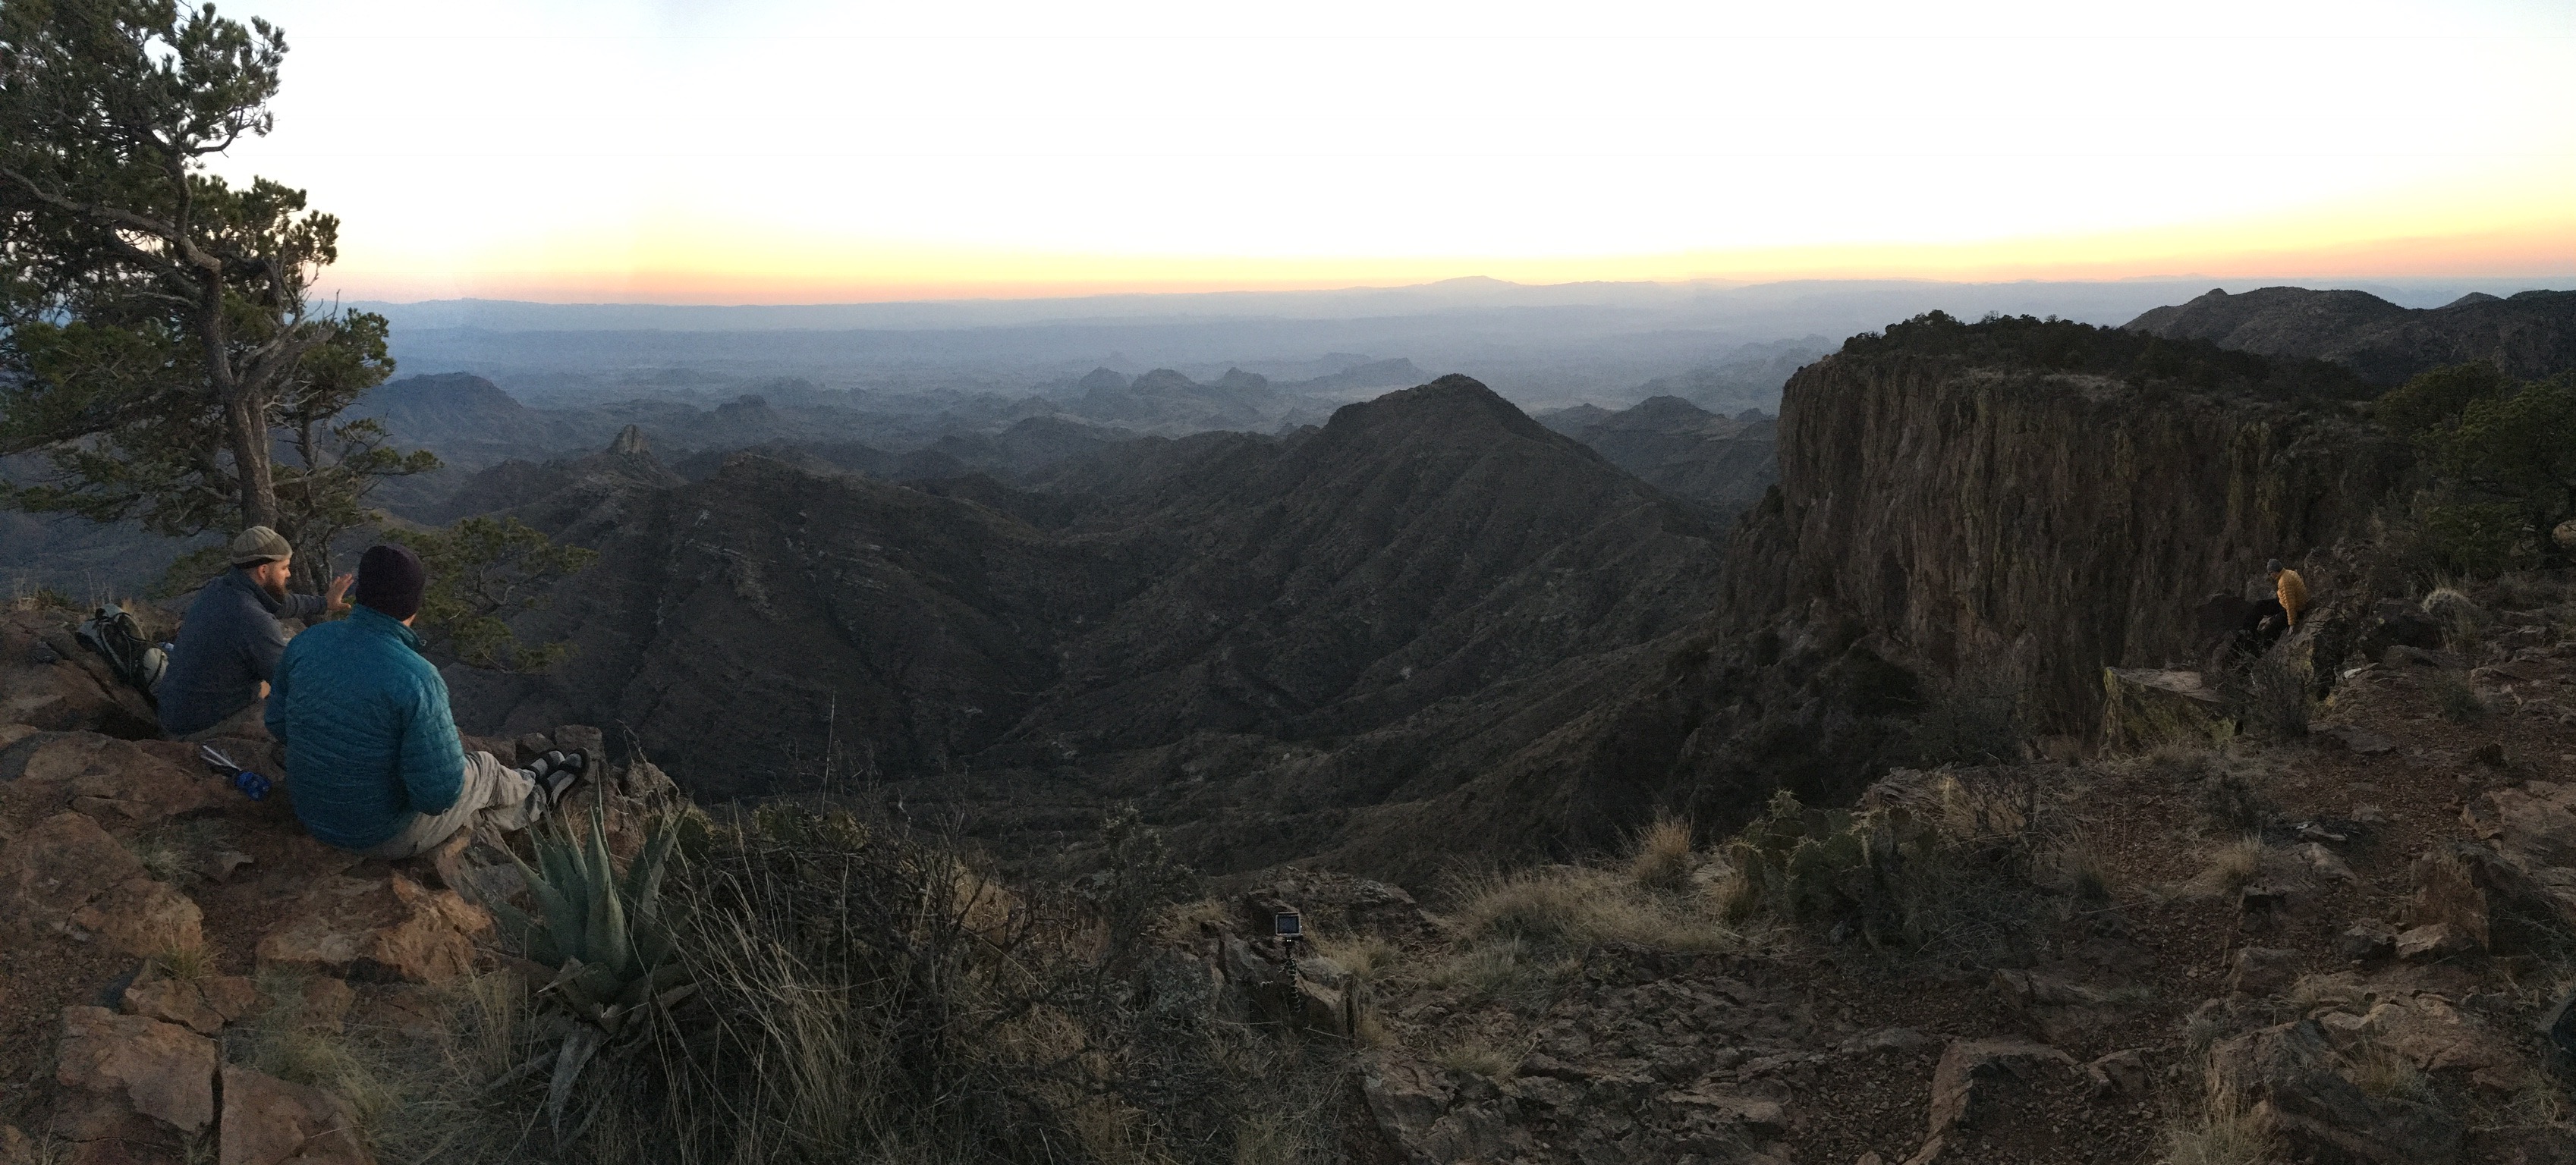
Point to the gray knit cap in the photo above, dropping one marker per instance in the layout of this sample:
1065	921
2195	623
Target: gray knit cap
2272	567
259	544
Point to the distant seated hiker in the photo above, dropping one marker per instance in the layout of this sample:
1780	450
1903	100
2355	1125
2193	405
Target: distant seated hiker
230	642
373	761
2289	590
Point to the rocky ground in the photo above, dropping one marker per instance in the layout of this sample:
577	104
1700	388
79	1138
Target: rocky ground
171	951
2333	949
2211	948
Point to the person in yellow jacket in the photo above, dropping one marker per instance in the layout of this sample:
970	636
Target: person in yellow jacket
2291	590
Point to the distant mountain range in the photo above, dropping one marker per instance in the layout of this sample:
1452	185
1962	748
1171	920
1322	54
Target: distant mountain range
1259	635
1721	464
2530	335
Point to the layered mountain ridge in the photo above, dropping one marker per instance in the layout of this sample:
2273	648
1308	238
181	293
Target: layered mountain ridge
1241	604
2530	335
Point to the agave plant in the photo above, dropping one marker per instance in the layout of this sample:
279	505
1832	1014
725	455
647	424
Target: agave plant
605	936
606	939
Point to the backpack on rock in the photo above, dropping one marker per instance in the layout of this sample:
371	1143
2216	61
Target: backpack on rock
112	632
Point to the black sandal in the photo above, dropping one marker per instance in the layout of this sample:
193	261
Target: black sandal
558	773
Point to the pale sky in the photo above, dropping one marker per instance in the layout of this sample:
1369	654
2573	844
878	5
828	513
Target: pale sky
781	151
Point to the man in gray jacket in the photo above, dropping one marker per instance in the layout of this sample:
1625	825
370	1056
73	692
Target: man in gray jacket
228	647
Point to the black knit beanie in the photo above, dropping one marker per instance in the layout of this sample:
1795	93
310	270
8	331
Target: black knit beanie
390	579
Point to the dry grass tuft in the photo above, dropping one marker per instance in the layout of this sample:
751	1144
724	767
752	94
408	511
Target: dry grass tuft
2222	1134
1660	859
2229	869
1478	1058
2386	1075
1577	906
186	964
1369	958
2453	696
1500	970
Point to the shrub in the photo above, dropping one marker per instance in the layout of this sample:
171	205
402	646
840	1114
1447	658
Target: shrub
1477	1058
2520	449
1952	877
2222	1133
2474	539
2435	399
864	993
2229	870
2455	698
483	571
2229	800
1661	857
2276	701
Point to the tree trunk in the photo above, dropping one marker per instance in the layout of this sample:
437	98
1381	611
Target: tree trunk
249	424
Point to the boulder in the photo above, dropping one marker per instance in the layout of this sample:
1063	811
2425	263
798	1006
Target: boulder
2440	940
2528	1145
2145	707
476	864
324	1004
63	696
63	757
369	929
2366	940
123	1075
2360	741
2404	656
268	1121
142	917
2263	970
54	869
1973	1074
128	782
1415	1107
204	1005
2122	1073
583	738
2293	1086
1332	1011
1713	1124
2440	1038
2530	852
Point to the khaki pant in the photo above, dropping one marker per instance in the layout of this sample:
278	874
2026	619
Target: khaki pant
509	798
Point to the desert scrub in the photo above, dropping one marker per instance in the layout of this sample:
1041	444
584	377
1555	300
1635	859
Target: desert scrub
2228	870
1660	858
1478	1058
2223	1132
867	992
1950	871
2455	698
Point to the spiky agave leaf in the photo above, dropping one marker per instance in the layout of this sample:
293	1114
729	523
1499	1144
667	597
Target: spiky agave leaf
558	909
644	877
606	942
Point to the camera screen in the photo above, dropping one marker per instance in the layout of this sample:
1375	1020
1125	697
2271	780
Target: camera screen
1289	925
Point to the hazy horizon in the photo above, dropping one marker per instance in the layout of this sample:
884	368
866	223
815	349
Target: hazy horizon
794	152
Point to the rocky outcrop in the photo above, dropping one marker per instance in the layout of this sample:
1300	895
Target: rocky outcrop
2297	1088
2531	335
268	1121
386	929
129	1078
1984	516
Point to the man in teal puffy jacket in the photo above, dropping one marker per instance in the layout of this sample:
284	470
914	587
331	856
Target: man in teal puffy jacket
372	756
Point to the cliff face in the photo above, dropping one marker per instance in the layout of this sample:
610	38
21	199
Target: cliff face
2038	526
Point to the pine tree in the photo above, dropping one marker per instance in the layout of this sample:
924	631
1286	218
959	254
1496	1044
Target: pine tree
158	343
